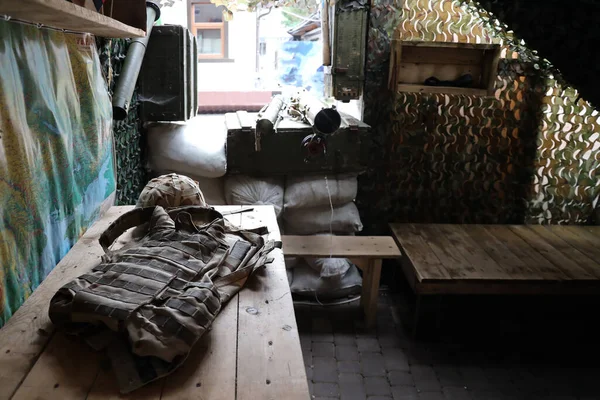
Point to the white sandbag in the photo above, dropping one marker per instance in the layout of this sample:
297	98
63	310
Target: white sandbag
307	282
245	190
311	191
195	147
329	268
213	189
310	221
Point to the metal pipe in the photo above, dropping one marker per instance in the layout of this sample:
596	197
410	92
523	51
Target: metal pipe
267	119
325	34
323	119
131	69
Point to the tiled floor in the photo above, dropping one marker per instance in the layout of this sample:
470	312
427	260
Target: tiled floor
345	361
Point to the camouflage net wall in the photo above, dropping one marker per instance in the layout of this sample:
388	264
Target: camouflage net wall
528	155
129	140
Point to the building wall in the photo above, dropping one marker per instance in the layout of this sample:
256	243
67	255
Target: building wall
238	72
527	155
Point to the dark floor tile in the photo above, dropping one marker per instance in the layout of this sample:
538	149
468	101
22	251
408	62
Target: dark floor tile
395	360
325	370
323	349
456	393
428	385
344	338
404	393
326	389
431	396
368	345
400	378
353	391
349	367
377	386
372	364
346	352
423	372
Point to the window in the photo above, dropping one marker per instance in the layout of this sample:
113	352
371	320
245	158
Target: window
207	23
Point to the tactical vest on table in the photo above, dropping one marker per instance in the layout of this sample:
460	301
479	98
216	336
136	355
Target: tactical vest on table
158	295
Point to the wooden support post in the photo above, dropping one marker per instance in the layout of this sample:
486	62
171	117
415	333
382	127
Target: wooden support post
370	291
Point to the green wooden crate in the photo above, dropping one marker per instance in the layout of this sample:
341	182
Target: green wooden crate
281	152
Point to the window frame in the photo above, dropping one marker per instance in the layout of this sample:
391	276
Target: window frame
195	26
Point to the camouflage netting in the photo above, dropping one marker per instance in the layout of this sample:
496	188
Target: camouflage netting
129	141
528	154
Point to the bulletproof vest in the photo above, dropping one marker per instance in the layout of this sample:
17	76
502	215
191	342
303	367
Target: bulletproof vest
149	302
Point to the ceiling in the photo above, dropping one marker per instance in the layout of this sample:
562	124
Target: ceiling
566	32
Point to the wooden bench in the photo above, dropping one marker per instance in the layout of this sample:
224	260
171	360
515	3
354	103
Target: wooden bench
251	352
444	259
366	252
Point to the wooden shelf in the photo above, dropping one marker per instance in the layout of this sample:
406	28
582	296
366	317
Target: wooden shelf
404	87
412	63
64	15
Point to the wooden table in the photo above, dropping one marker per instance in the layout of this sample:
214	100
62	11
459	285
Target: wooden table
500	259
252	351
444	259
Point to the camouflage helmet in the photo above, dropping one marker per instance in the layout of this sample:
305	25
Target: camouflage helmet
171	190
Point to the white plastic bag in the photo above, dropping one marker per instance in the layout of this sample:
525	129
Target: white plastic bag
310	221
245	190
307	282
195	147
329	268
311	191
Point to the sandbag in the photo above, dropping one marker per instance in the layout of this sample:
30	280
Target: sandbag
329	268
311	191
307	282
213	189
310	221
245	190
195	147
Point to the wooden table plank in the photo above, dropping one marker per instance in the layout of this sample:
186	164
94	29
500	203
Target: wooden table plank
341	246
105	388
418	253
65	15
484	266
545	269
270	363
28	331
61	372
574	238
582	258
452	259
209	372
501	253
560	260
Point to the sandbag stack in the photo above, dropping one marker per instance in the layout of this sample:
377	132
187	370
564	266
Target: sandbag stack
308	211
247	190
195	148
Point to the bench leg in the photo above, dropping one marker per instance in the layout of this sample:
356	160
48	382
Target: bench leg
370	291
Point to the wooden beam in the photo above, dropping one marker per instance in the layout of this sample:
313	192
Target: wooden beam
404	87
341	246
370	291
64	15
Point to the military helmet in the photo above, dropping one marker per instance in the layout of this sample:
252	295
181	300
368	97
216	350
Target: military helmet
171	190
